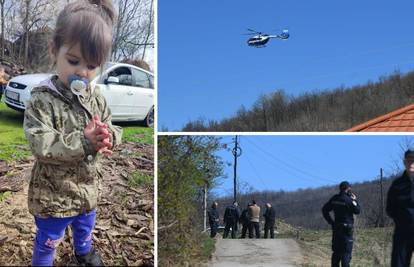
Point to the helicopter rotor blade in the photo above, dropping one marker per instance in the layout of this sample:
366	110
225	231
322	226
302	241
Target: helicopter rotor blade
254	31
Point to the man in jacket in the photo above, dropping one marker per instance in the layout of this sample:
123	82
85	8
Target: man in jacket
244	220
231	218
344	205
270	219
213	219
254	215
400	207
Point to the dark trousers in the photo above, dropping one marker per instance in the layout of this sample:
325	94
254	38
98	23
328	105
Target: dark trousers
233	226
269	227
255	226
245	226
342	242
402	248
213	229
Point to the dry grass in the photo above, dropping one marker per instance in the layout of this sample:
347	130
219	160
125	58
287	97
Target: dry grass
372	247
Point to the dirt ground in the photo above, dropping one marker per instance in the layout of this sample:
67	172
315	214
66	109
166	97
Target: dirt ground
124	233
256	252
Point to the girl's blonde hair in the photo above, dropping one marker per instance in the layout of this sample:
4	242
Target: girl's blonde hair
88	23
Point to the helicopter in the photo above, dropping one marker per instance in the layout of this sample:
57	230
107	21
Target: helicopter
260	39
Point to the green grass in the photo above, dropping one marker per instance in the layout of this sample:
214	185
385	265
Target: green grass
207	248
137	179
14	146
13	143
136	134
5	195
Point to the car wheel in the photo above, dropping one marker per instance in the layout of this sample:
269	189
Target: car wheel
149	120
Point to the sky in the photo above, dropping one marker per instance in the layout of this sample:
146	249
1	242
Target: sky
307	161
206	70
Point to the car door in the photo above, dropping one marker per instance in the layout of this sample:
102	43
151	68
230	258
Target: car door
143	92
118	95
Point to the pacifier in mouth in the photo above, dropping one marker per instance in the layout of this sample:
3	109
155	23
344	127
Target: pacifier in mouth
78	85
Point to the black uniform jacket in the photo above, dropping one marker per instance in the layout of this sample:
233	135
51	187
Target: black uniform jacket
231	215
270	215
344	208
400	203
213	216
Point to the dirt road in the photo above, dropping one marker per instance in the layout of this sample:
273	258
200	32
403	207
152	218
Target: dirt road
124	226
256	252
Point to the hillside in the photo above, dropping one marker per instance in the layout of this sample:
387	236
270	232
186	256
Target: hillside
302	208
331	110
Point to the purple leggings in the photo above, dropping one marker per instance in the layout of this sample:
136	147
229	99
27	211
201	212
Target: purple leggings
50	232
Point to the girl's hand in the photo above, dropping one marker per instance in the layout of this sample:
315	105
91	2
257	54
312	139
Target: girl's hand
89	133
97	133
103	136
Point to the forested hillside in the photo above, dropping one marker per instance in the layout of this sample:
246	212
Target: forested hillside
332	110
302	208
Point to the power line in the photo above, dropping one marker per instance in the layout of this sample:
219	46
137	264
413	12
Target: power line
299	160
255	171
295	175
316	177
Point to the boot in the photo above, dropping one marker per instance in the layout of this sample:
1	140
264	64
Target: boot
91	259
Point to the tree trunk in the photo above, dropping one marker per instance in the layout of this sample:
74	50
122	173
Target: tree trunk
26	29
2	29
149	30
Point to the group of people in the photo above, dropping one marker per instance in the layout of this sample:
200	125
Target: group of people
400	207
249	218
344	205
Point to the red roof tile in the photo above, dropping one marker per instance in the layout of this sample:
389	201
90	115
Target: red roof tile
400	120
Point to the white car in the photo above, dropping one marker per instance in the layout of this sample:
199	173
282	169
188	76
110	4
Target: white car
129	91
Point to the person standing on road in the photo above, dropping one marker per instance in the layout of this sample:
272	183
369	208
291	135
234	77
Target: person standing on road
244	220
213	219
270	219
400	207
254	218
344	205
231	218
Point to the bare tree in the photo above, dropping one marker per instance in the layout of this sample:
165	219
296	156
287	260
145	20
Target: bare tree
134	29
33	18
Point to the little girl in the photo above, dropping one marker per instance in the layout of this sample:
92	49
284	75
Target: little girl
68	125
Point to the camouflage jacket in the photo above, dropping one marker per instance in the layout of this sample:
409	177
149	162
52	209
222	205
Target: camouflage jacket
66	174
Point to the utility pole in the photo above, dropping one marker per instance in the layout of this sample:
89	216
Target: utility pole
381	224
236	153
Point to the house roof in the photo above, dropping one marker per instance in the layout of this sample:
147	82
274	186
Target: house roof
400	120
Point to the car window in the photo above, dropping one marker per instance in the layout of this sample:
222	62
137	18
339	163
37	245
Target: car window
141	79
123	74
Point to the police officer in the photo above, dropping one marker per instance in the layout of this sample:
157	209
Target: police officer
400	207
231	218
344	205
270	219
244	220
213	219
